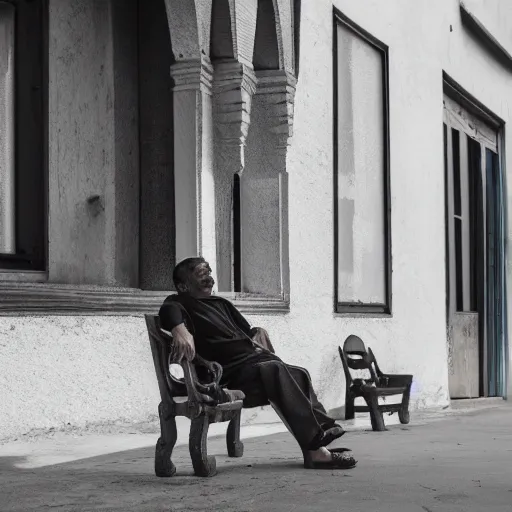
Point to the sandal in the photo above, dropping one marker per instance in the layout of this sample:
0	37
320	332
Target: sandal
326	437
340	460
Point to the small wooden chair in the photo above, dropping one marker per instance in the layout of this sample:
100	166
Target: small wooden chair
355	356
197	404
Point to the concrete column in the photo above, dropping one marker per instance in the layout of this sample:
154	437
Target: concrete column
93	131
193	159
234	87
264	186
7	127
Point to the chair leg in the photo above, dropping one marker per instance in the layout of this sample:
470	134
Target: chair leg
164	466
375	414
203	464
235	446
349	407
403	413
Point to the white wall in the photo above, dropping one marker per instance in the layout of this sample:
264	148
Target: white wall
71	369
494	16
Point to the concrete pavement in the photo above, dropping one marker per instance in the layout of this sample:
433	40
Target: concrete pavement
460	462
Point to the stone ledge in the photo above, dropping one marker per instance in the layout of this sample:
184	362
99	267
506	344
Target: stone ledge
52	299
476	403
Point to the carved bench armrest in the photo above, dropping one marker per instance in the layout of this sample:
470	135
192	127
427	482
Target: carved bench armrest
192	384
197	392
201	393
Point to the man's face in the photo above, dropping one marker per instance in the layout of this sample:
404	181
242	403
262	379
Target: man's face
200	282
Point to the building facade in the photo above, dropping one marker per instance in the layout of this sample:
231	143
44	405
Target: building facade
342	165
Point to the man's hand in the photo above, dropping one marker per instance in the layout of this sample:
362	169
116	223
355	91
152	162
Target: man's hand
261	338
183	343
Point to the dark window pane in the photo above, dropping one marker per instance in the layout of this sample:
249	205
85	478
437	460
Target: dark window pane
475	206
237	234
456	171
459	276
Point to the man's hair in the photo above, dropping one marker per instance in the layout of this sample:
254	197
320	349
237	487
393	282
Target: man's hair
183	269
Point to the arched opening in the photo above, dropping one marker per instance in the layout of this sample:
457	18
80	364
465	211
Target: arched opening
263	185
221	38
231	111
266	48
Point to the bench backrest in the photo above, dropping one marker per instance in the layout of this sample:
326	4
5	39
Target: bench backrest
355	356
161	348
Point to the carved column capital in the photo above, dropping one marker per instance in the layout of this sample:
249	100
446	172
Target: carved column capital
276	89
193	75
234	87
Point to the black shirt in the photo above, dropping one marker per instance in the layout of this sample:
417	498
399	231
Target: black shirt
220	331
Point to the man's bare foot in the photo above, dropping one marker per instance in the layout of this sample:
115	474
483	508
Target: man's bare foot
321	455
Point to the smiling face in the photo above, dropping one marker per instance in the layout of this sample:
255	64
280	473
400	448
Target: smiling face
200	281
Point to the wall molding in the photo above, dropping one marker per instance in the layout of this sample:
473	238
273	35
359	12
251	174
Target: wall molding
474	25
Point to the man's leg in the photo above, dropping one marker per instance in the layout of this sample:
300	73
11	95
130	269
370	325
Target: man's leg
266	379
302	376
289	390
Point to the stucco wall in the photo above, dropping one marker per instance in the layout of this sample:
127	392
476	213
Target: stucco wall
76	370
70	369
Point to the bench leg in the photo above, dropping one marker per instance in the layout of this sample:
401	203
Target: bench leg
235	446
165	444
202	463
375	414
349	407
403	413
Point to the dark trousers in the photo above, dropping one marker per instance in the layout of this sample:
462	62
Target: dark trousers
265	379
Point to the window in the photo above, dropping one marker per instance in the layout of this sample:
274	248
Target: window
22	149
465	156
109	163
361	171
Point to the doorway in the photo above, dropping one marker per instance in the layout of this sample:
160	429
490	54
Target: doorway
475	253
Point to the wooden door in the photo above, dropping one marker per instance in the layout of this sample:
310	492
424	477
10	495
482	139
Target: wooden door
462	266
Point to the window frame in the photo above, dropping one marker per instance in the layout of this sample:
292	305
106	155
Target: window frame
480	117
378	309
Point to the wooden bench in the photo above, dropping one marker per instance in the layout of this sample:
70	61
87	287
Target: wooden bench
193	398
355	356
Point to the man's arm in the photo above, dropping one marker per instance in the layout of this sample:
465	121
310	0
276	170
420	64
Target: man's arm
239	319
171	318
258	335
183	343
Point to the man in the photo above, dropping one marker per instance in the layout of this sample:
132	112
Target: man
212	326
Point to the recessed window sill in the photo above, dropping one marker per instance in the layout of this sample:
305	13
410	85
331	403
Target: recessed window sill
23	276
257	304
363	315
42	298
363	310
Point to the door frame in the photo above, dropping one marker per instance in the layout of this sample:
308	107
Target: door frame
483	119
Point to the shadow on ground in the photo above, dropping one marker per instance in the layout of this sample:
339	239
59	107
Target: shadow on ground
459	464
